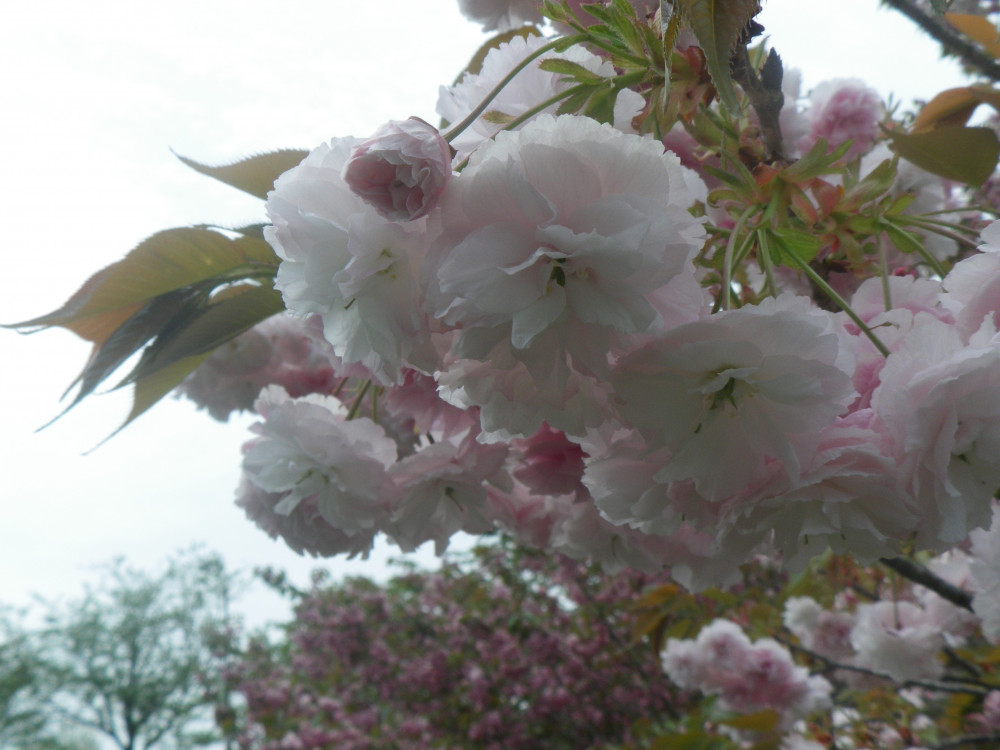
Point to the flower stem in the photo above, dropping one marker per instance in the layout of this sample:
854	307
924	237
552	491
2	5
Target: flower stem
840	301
481	107
356	404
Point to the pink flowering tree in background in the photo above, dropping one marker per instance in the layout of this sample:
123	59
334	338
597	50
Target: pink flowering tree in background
638	301
512	648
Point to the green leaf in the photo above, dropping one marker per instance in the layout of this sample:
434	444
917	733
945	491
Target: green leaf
727	177
167	261
573	104
497	117
628	27
979	29
876	183
670	28
967	155
255	175
572	69
760	721
225	317
802	245
624	7
601	105
142	326
255	231
718	26
151	389
951	107
904	241
160	298
900	203
815	162
599	11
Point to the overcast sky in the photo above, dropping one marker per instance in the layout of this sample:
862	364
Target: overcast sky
94	97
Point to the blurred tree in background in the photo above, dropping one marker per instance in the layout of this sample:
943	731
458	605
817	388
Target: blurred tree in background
138	660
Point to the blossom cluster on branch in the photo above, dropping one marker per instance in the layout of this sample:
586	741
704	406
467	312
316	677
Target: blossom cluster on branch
646	320
636	301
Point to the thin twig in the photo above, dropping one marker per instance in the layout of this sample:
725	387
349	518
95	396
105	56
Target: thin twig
949	38
992	740
830	665
919	574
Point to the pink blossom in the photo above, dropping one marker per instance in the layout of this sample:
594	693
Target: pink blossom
736	390
417	397
956	624
939	400
896	638
991	709
845	500
306	449
621	476
528	518
514	400
515	652
555	235
973	285
844	110
281	350
304	529
343	261
401	170
910	301
549	463
748	677
825	632
441	489
985	569
580	533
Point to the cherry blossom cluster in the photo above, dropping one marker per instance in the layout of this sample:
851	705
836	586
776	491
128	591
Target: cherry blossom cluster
535	343
282	350
747	676
675	349
902	633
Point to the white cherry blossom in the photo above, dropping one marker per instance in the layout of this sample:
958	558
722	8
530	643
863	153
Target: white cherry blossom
736	390
307	450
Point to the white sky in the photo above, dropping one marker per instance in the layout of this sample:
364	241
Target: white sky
94	95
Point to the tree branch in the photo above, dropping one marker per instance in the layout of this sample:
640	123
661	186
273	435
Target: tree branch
990	740
765	96
830	665
949	38
921	575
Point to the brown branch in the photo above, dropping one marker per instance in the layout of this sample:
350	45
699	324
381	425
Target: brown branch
832	665
921	575
990	740
766	98
949	38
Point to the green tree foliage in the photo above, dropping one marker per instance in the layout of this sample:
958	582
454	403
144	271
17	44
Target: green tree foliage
22	721
139	660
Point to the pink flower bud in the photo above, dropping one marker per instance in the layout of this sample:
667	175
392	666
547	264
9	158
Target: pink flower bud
401	170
